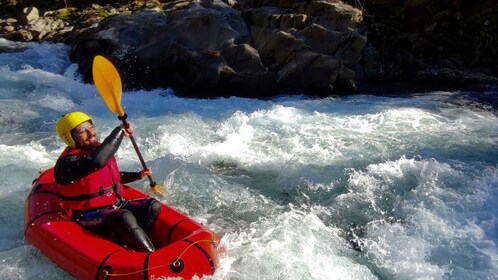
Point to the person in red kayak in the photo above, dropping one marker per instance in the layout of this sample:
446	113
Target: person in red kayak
91	184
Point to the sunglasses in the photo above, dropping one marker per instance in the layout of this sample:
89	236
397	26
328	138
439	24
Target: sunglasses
89	128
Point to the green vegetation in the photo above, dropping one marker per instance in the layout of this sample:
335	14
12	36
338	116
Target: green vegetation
65	13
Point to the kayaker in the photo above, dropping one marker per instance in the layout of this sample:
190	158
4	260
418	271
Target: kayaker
91	184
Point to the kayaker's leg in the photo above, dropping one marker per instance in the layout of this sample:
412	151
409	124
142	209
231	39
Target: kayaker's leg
109	222
133	234
145	211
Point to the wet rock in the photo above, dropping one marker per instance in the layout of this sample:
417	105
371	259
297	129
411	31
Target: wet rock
207	49
196	50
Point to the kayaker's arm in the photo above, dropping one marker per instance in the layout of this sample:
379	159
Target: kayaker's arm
108	148
128	177
72	167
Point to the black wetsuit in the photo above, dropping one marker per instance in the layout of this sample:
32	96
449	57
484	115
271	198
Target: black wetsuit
72	168
127	219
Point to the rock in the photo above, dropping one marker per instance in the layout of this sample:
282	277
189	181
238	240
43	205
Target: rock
293	45
196	50
332	15
29	15
321	39
21	35
9	28
310	73
207	48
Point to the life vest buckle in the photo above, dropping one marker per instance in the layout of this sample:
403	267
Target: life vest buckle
118	204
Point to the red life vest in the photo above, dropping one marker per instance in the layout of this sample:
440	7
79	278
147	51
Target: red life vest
95	190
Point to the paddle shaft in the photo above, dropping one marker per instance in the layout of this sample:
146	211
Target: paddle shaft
137	150
108	83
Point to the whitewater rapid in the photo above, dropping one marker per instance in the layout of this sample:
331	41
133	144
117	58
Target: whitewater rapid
358	187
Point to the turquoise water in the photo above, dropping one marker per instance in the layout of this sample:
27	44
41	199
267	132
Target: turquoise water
358	187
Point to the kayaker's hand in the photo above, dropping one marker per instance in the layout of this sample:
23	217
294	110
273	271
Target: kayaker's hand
128	130
146	172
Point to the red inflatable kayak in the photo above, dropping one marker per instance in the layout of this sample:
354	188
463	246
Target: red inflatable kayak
184	248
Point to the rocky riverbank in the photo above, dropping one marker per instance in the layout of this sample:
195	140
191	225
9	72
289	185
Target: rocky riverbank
262	48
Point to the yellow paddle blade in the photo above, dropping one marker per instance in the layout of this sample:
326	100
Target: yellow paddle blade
156	188
108	83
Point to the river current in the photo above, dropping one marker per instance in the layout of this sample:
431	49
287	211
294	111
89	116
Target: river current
356	187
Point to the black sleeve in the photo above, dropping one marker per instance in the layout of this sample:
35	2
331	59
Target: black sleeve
108	148
128	177
72	168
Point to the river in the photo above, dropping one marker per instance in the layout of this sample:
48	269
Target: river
356	187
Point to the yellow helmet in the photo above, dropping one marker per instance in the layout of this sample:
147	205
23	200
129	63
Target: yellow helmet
67	123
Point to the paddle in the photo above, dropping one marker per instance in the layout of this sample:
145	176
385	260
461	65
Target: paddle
108	83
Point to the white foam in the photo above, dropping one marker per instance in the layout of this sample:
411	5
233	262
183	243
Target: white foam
292	245
284	180
417	232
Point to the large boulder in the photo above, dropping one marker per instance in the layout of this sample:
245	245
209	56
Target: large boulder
207	48
196	49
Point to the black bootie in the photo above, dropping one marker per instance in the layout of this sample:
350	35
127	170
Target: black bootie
140	241
133	235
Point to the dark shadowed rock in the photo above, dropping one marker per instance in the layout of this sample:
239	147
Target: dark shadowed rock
196	49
